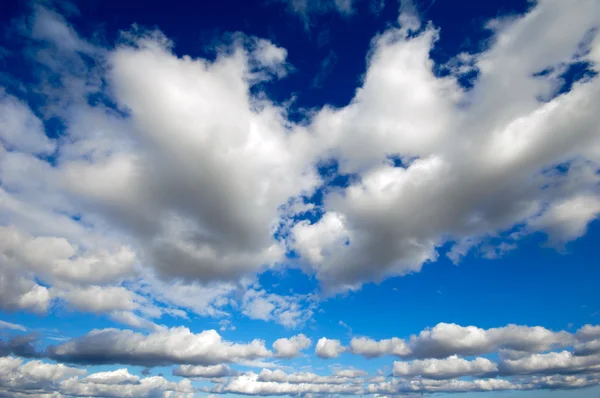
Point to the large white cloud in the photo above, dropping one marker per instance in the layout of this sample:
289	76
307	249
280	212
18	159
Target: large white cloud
474	163
163	347
446	339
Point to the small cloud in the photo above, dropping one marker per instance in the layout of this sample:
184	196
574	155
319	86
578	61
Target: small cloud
225	325
12	326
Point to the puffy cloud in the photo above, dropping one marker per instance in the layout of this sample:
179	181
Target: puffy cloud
251	384
370	348
587	348
34	375
552	362
448	368
180	111
481	160
588	332
350	373
21	293
329	348
280	376
163	347
447	339
57	380
58	258
291	347
441	386
120	383
99	299
206	372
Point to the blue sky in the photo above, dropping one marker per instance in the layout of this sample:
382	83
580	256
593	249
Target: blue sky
299	197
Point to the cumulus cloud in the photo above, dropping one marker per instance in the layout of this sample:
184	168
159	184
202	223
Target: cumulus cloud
448	368
164	347
370	348
481	160
251	384
45	379
205	372
563	362
329	348
33	375
291	347
280	376
444	340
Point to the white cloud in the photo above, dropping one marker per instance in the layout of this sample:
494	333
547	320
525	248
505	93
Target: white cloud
280	376
290	311
250	384
370	348
329	348
588	332
477	162
291	347
166	346
445	339
20	129
12	326
34	375
99	299
563	362
206	372
448	368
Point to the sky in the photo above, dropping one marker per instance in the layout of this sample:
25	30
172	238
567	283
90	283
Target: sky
315	198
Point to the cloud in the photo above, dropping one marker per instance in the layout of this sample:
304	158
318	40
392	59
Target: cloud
329	348
206	372
563	362
250	384
33	375
280	376
291	347
290	311
371	349
482	160
445	339
448	368
39	378
164	347
307	10
20	128
157	191
12	326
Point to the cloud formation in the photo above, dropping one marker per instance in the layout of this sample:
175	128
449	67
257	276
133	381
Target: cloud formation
164	347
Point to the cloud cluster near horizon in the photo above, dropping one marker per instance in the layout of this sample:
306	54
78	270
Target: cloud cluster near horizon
445	358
